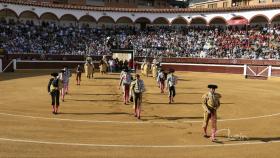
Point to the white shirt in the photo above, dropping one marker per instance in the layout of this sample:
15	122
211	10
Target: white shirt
171	80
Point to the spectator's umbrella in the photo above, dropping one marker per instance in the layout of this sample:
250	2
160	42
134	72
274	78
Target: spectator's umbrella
238	22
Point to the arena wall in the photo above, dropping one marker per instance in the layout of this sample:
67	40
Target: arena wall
275	71
232	69
232	66
47	64
140	59
216	61
215	68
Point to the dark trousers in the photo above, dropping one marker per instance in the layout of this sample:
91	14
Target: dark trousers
79	77
172	91
55	97
137	99
137	104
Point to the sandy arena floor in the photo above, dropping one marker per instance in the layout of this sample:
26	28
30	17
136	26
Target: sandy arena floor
93	121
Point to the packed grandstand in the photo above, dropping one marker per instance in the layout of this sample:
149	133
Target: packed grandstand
258	42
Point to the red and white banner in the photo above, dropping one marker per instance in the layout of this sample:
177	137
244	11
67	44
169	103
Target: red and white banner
238	22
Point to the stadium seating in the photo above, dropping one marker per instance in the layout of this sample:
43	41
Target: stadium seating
258	42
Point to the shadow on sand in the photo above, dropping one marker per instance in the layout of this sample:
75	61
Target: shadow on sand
180	79
97	113
95	100
94	94
100	85
24	74
170	118
247	139
264	139
179	93
181	103
175	103
107	78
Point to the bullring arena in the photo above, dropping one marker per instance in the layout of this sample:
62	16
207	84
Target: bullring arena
94	122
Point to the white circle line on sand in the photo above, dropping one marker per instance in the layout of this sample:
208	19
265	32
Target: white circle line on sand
134	122
133	145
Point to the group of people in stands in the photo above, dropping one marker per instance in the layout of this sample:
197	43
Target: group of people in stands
253	42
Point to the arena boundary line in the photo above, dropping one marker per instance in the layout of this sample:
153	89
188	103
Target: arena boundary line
190	64
136	146
134	122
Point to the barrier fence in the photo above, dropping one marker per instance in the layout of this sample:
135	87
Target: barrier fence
33	56
246	70
215	68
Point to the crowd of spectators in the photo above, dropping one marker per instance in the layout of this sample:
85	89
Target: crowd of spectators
258	42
